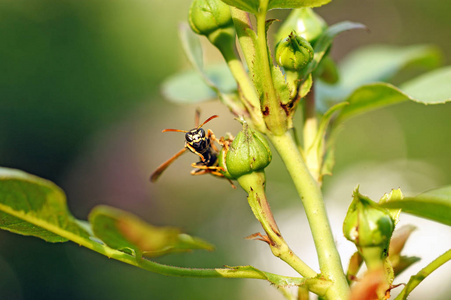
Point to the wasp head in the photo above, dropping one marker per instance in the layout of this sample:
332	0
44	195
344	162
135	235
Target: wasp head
197	139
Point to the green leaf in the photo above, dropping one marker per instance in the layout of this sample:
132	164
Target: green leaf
394	195
288	4
376	63
191	46
325	40
246	5
319	148
430	88
380	63
434	205
30	205
126	232
190	87
200	84
252	6
370	97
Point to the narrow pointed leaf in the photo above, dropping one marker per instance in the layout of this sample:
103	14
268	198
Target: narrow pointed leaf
433	205
126	232
324	123
319	144
403	263
394	195
30	205
416	279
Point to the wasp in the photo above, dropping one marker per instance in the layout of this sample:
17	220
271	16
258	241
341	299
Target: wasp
200	143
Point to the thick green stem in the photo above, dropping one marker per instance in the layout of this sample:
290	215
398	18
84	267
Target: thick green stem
250	98
254	184
310	193
274	115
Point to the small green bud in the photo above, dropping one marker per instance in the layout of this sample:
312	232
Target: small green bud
305	22
370	227
294	53
212	18
367	224
249	152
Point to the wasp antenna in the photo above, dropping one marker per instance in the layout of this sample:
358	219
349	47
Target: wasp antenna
197	117
208	120
176	130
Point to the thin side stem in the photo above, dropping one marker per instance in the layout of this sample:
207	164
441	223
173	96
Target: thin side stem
310	193
416	279
310	133
87	242
232	272
286	293
254	185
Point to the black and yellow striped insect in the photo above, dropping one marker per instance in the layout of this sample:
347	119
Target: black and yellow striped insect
200	143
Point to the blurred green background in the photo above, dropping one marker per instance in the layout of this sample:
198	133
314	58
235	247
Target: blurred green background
80	105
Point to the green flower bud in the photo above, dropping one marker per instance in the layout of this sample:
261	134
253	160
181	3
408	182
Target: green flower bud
249	152
294	53
367	224
305	22
212	18
370	227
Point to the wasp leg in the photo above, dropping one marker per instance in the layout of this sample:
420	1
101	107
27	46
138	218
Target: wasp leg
202	158
212	137
201	166
201	170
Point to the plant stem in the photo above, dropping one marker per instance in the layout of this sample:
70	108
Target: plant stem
286	293
254	185
247	89
310	133
230	272
275	116
310	193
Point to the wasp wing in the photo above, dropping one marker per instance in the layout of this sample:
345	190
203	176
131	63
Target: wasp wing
164	165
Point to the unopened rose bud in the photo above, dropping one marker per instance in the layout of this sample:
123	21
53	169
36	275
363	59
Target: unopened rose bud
294	53
369	227
248	153
212	18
